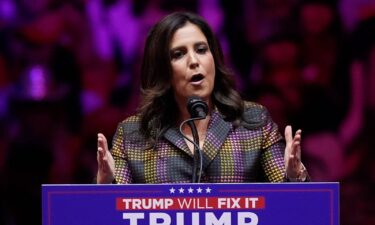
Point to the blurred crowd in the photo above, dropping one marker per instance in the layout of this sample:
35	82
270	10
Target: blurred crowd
70	69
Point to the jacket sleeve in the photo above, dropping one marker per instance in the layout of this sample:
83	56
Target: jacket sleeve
122	171
273	147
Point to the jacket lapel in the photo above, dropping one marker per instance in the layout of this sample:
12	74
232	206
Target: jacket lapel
174	136
217	133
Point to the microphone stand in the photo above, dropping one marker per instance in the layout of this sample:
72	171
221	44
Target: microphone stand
198	110
198	156
197	153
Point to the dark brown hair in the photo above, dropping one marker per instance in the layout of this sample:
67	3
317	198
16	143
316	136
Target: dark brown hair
157	109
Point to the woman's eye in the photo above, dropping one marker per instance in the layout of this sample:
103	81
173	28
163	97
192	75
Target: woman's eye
202	49
177	54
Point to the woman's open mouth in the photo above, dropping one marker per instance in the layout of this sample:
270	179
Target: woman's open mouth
197	78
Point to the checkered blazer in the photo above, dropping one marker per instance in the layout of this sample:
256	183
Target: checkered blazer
252	152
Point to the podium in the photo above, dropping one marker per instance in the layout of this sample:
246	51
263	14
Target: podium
192	204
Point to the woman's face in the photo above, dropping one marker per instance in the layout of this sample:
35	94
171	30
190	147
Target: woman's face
192	64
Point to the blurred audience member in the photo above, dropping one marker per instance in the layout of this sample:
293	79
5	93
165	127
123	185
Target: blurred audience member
354	11
277	78
320	31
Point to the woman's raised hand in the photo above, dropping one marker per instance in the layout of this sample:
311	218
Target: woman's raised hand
292	157
106	164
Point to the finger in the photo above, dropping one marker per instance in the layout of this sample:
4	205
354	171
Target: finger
100	156
288	134
298	135
100	152
102	142
296	145
288	140
295	150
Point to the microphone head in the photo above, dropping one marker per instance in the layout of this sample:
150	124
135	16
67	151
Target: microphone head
197	107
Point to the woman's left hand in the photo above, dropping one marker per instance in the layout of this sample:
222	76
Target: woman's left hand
292	155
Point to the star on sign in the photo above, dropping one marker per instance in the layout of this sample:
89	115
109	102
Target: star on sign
208	190
199	190
172	190
190	190
181	190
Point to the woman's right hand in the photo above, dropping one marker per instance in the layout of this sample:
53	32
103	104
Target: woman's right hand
106	163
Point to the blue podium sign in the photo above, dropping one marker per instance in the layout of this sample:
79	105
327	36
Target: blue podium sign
192	204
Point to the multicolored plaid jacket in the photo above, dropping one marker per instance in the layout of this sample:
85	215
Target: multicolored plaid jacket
251	152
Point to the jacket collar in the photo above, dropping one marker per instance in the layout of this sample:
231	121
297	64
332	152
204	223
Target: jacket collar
217	132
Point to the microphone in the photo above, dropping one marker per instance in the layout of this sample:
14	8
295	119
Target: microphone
198	110
197	107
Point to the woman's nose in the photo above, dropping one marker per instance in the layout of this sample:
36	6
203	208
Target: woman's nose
193	60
